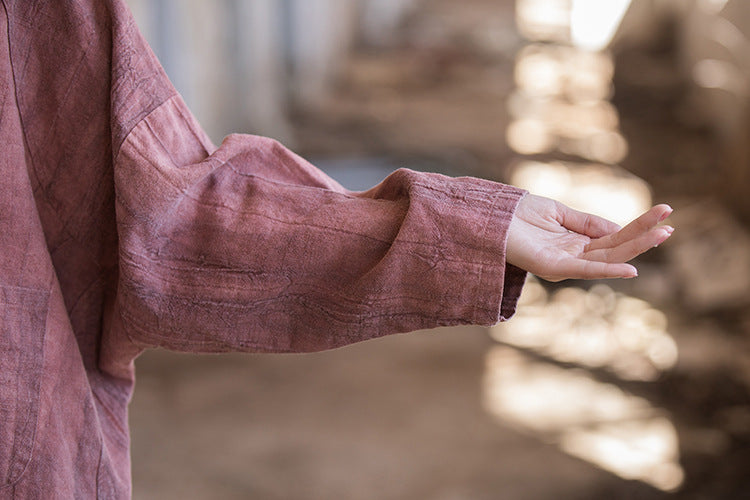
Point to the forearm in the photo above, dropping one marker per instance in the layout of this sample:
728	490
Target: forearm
260	251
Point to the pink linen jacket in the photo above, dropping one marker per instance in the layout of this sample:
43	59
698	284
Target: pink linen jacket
123	227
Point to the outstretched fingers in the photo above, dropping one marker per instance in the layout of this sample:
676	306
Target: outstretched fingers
633	231
631	248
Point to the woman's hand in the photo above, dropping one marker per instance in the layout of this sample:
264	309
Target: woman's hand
555	242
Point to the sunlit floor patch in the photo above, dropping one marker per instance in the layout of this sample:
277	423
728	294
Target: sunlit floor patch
597	422
598	328
560	109
560	104
606	191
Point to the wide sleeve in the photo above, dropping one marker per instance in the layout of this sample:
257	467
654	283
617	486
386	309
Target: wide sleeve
249	247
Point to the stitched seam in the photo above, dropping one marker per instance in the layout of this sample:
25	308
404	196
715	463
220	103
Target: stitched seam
116	155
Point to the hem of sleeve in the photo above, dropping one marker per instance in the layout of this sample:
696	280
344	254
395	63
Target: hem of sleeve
515	277
500	287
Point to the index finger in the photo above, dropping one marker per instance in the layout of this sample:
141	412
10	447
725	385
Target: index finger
590	225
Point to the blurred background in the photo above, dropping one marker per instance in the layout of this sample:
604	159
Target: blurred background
618	390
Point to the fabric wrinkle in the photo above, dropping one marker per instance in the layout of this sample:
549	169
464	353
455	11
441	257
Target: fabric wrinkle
124	228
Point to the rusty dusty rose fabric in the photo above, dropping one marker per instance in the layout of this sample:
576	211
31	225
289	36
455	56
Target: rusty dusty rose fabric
122	227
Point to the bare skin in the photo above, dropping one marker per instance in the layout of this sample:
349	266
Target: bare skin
555	242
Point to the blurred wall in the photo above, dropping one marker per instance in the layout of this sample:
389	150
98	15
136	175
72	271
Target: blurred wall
715	54
240	64
713	46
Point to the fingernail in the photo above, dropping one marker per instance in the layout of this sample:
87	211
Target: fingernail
669	230
666	214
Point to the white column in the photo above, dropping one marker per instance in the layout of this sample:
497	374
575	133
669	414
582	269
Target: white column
321	35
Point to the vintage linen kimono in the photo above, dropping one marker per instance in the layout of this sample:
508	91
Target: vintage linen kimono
123	227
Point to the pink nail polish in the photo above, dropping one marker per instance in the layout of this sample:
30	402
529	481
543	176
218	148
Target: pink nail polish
664	238
666	214
633	273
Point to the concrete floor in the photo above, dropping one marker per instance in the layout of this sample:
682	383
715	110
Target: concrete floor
395	418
